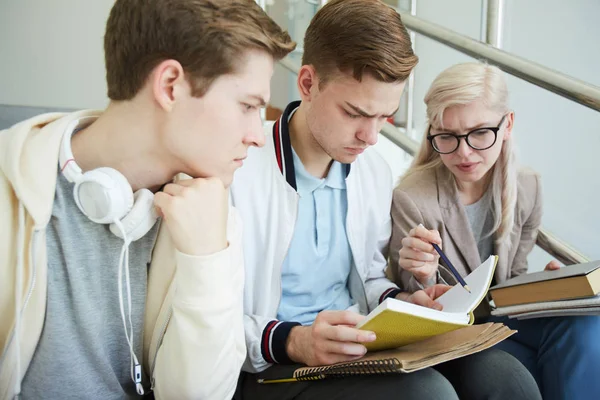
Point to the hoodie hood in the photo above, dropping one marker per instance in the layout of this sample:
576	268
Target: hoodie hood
29	160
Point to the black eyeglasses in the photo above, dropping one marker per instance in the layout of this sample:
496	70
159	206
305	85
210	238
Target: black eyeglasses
478	139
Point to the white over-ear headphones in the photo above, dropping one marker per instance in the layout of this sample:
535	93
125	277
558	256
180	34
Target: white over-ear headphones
104	195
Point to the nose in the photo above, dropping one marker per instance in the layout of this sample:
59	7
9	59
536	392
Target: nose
255	135
464	150
369	131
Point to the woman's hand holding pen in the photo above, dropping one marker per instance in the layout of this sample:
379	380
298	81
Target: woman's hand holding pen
418	256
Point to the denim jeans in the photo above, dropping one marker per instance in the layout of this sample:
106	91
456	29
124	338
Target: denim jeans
562	354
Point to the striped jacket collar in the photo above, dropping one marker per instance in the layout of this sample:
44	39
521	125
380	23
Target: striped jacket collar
283	145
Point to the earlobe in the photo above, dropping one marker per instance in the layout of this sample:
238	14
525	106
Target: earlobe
168	83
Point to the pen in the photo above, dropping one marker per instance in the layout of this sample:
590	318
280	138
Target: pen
450	266
277	380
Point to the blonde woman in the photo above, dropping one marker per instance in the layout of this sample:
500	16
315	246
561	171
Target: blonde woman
465	189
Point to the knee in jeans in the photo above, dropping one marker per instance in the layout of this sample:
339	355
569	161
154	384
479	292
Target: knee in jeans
584	334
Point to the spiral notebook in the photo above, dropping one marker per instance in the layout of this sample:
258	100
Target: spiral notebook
413	357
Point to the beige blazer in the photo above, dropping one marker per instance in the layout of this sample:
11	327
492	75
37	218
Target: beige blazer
431	198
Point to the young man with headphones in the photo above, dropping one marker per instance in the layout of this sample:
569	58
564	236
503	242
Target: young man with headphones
99	297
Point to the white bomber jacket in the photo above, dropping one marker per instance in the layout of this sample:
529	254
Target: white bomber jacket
264	192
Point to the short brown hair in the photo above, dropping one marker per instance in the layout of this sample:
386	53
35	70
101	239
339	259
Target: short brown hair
207	37
358	37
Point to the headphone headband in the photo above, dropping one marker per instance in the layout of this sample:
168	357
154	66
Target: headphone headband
68	166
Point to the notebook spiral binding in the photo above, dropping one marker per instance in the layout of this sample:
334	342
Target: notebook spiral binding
370	367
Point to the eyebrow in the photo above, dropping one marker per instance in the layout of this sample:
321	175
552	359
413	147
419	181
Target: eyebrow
362	112
260	99
473	128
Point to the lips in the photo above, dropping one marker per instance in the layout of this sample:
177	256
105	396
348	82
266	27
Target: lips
355	150
467	167
239	161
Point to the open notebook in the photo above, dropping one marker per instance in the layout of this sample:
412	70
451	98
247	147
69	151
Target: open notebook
397	323
410	358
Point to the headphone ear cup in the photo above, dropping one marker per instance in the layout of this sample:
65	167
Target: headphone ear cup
103	195
140	219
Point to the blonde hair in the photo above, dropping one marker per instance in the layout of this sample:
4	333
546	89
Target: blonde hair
463	84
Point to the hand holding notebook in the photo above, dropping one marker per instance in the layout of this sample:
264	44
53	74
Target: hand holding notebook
330	339
334	337
428	336
410	358
397	323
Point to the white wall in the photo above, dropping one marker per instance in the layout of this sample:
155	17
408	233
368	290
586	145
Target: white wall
557	137
52	53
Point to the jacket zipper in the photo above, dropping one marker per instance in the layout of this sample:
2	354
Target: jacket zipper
285	255
355	267
349	233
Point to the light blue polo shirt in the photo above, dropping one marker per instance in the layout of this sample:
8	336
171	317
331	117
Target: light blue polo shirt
317	266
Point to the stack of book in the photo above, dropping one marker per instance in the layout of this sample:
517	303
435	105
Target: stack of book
572	290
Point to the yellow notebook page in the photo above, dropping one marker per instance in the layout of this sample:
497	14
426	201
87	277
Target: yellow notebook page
395	329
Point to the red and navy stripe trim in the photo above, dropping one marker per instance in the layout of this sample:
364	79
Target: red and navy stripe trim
274	339
283	145
391	292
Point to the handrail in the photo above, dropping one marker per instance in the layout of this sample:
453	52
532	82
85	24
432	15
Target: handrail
545	240
400	138
559	249
566	86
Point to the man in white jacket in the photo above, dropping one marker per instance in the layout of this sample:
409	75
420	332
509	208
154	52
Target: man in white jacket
98	298
316	208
